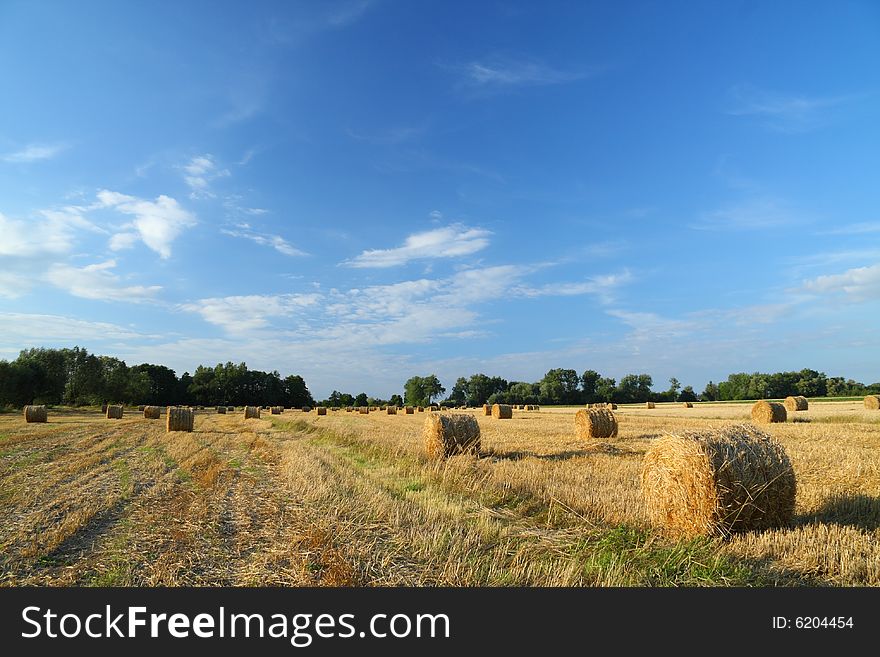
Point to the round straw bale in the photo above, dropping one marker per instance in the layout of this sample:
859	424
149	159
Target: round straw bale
391	410
152	412
408	410
251	412
364	410
613	407
141	407
114	411
798	403
35	414
230	409
718	481
594	423
306	409
487	410
321	410
872	402
420	409
764	412
221	410
687	404
649	404
179	419
447	434
502	411
104	407
275	410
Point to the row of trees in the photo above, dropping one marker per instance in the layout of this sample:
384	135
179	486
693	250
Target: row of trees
76	377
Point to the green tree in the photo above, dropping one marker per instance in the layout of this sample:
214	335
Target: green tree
674	387
560	386
589	381
710	393
361	399
687	394
606	389
420	390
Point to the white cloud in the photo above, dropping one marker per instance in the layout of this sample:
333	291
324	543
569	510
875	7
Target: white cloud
199	172
784	112
239	314
34	153
13	286
448	242
19	330
97	281
157	223
264	239
862	228
754	214
498	73
602	286
32	238
859	284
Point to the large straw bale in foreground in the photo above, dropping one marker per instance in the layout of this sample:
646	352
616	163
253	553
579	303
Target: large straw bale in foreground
764	412
594	423
718	481
251	412
152	412
872	402
35	414
179	419
321	410
502	411
798	403
114	412
447	434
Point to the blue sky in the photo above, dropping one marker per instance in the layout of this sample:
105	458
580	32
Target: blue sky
360	191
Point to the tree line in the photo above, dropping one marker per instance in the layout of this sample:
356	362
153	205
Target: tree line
78	378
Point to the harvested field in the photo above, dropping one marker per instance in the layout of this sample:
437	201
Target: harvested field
353	499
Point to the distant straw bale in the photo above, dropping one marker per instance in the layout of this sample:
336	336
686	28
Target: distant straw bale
35	414
797	403
718	481
764	412
595	423
179	419
502	411
447	434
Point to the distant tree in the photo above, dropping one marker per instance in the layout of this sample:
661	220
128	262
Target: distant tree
710	393
420	390
687	394
518	393
361	399
589	381
606	389
674	387
296	393
397	400
560	386
458	395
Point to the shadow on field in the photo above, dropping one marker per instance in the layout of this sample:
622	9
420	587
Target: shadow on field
598	448
861	511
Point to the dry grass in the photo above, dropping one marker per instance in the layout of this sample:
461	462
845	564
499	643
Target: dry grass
350	499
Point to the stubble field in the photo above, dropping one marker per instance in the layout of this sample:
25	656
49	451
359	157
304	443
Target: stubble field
351	500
